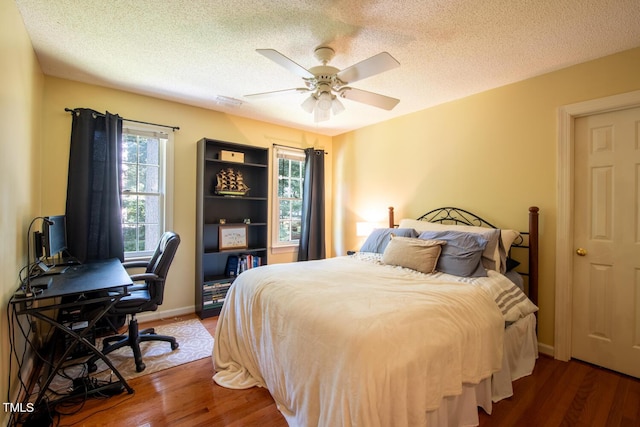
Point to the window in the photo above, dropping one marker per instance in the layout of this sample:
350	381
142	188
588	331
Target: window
147	184
288	186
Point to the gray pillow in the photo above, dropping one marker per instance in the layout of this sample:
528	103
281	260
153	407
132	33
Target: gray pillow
379	238
462	255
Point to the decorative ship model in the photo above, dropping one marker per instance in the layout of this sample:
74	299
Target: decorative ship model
230	183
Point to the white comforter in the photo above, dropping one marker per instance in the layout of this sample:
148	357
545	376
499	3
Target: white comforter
345	342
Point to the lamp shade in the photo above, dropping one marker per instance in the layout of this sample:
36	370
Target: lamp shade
364	228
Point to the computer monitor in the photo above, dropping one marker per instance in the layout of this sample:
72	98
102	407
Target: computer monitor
54	235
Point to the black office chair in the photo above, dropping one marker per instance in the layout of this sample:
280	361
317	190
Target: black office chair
146	296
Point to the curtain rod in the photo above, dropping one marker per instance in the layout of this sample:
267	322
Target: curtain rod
296	148
287	146
175	128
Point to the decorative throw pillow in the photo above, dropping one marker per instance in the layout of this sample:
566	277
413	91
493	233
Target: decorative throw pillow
416	254
379	238
462	255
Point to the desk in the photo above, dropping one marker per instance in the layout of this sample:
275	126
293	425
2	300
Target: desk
102	282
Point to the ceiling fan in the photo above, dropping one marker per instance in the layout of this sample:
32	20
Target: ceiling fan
326	83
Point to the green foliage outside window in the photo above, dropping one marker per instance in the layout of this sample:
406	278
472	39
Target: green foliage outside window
290	188
141	198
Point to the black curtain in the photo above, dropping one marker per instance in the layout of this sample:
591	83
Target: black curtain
312	244
93	212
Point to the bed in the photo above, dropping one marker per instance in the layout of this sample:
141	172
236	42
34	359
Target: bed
420	327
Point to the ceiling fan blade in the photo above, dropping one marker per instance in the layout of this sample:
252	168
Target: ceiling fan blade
285	62
369	67
278	92
375	99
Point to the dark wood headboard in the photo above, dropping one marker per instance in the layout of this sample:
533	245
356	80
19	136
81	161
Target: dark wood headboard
528	239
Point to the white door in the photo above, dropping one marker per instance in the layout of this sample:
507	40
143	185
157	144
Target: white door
606	261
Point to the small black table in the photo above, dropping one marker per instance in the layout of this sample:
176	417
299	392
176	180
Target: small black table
99	282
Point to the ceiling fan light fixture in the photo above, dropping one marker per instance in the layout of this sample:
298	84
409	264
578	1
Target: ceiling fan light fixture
325	83
320	115
336	106
309	104
324	101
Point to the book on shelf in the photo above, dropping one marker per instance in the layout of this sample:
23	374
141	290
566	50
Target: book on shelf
216	284
211	297
215	291
237	264
211	303
215	295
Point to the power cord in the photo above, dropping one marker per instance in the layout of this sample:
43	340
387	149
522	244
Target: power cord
87	385
24	392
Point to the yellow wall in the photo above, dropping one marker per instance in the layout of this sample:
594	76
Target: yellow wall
20	119
493	153
195	123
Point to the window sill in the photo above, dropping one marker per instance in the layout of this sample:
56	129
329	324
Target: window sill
137	258
284	249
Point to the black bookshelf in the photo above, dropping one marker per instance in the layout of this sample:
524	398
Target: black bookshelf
217	212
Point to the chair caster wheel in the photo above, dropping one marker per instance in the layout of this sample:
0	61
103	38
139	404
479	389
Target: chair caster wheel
92	367
140	367
174	345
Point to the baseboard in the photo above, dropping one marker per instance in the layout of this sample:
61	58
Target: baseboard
165	314
546	349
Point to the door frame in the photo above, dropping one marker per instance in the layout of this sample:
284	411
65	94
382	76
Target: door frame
565	208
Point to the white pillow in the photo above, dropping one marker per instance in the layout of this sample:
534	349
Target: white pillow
508	237
493	257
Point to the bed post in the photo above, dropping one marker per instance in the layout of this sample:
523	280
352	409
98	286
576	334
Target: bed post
533	254
391	220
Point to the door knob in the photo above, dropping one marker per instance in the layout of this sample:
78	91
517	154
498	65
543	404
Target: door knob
581	251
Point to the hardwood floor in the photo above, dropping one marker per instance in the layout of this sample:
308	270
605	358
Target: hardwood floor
570	393
557	394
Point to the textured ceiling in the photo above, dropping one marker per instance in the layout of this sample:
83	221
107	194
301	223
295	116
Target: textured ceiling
194	50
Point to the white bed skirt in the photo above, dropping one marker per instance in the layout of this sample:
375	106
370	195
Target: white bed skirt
519	358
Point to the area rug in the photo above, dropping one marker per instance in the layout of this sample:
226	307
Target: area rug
195	343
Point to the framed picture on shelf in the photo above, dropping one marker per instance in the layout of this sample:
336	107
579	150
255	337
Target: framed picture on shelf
232	236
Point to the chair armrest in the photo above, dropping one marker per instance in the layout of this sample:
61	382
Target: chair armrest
144	276
135	264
